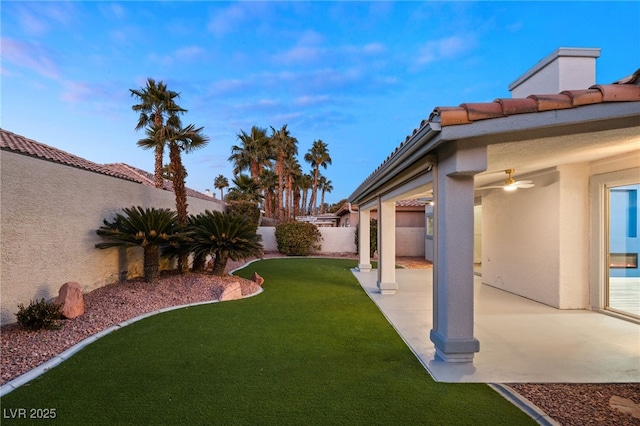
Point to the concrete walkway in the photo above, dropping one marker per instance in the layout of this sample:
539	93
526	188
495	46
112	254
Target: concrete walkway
521	341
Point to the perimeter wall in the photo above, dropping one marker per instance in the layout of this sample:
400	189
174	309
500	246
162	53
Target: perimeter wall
48	217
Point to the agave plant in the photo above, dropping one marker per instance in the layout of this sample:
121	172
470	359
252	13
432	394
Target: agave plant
148	228
224	237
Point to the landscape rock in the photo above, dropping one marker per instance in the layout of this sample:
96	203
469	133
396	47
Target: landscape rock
257	279
232	291
625	405
71	298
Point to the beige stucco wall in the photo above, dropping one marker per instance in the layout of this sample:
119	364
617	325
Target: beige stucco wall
520	240
49	214
334	240
409	241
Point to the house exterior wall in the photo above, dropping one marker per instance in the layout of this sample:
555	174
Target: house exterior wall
520	240
537	242
49	214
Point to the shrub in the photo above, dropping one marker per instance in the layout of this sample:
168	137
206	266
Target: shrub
39	315
297	238
246	209
373	237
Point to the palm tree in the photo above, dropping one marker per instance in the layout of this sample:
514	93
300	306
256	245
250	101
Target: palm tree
157	107
180	139
148	228
225	237
253	154
285	146
305	183
325	186
318	156
245	189
220	183
268	183
292	171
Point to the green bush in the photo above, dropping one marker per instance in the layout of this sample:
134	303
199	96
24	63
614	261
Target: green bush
373	237
39	315
246	209
297	238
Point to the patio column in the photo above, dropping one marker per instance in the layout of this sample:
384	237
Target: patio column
452	331
387	247
364	240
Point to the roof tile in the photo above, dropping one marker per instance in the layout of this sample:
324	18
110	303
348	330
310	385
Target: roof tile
450	116
584	97
512	106
551	102
483	111
618	92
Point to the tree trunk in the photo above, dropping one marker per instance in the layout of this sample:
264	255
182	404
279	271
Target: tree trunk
159	180
181	198
151	262
220	263
314	191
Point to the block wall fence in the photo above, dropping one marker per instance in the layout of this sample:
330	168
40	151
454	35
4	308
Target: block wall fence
48	217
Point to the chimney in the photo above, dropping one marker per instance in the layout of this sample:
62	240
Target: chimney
568	68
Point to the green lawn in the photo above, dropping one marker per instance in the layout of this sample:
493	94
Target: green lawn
311	349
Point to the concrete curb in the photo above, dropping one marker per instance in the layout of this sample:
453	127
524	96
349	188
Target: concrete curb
535	412
48	365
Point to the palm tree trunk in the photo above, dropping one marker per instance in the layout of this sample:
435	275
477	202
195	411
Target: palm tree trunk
220	263
151	262
314	191
181	197
159	180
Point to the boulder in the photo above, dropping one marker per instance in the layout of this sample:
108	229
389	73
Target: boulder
257	279
71	299
231	291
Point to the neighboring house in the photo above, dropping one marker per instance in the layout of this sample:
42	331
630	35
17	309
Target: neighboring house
52	203
410	225
577	142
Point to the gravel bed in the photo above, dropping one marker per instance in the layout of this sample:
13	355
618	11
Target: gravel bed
568	404
24	350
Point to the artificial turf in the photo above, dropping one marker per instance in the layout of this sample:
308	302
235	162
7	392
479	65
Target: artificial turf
311	349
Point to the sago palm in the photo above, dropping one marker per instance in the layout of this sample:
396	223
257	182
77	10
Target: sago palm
224	237
148	228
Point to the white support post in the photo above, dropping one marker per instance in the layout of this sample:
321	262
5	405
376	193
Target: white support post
364	240
387	247
452	331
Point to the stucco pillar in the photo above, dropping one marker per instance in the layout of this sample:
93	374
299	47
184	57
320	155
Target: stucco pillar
452	331
364	240
387	247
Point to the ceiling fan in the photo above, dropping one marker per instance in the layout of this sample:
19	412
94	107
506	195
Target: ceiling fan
510	184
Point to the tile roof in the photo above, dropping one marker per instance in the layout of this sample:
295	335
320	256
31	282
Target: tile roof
19	144
626	90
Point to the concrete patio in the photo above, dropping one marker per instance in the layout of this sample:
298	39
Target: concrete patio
521	341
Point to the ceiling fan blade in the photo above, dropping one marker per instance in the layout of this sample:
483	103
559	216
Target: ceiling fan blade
489	187
524	185
518	182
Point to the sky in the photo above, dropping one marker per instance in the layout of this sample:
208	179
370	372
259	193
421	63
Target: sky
360	76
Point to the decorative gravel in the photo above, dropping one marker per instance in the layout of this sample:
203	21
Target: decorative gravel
24	350
568	404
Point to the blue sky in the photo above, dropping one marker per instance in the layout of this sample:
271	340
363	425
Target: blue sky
358	75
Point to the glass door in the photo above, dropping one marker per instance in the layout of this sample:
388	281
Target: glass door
623	289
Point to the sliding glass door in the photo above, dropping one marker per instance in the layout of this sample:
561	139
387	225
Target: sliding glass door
623	287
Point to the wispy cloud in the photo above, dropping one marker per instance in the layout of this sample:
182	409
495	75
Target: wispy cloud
38	19
236	17
445	48
32	56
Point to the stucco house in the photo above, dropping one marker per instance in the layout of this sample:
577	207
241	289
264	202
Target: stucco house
574	148
52	203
